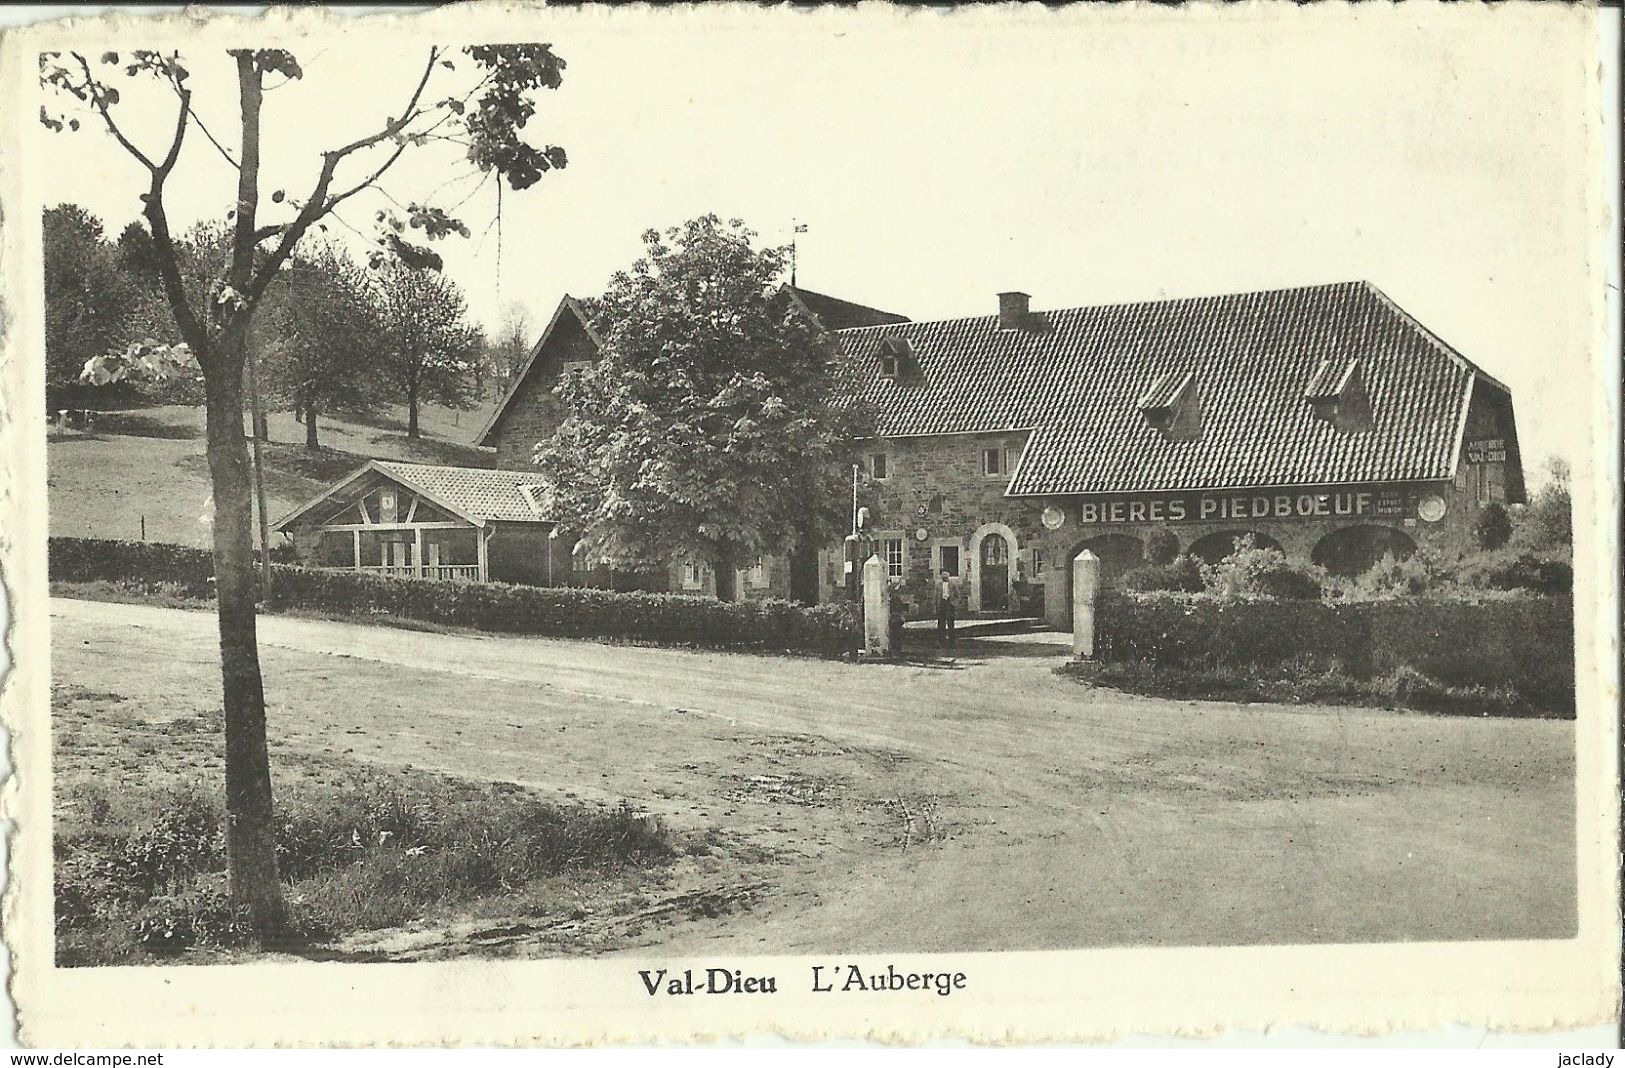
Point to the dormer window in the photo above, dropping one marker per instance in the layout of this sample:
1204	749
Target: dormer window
1337	392
896	357
1173	405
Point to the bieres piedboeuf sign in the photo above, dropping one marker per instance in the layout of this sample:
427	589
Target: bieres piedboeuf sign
1209	507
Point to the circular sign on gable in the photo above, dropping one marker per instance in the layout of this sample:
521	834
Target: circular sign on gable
1053	518
1431	508
921	534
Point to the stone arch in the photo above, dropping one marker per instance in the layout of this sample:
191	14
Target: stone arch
973	595
1352	550
1211	548
1118	553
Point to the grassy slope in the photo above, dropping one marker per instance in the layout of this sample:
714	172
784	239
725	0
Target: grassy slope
150	463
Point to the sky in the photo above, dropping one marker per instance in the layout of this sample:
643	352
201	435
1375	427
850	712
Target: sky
1085	157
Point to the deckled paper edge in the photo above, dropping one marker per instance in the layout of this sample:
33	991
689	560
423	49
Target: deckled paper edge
26	696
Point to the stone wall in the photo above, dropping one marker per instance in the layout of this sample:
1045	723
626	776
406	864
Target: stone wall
534	412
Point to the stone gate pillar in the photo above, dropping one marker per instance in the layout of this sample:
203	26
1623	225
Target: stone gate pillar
1085	586
877	595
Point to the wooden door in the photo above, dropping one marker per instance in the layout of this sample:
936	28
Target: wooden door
994	573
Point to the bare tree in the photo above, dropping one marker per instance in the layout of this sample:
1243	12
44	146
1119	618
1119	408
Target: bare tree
505	353
484	119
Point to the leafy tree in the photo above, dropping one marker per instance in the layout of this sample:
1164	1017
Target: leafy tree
506	353
1548	521
481	117
89	297
319	334
712	429
429	348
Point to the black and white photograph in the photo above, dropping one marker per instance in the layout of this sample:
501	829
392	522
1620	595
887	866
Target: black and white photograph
808	504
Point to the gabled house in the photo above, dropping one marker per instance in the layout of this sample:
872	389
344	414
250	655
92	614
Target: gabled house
426	521
1321	420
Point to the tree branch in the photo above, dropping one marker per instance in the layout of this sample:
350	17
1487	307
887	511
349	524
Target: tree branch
99	102
395	127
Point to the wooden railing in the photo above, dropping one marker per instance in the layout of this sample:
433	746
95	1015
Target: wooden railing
440	572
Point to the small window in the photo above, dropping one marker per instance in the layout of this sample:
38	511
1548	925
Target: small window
948	560
877	465
572	366
891	551
693	576
756	575
889	365
992	461
1039	564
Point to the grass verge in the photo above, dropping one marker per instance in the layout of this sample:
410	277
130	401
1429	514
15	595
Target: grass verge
140	861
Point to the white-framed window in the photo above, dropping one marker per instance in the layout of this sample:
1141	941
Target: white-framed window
1039	563
999	460
946	556
894	553
755	576
693	576
879	465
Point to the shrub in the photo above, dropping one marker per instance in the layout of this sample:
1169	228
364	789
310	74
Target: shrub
1182	574
1161	546
553	611
1492	526
198	918
1460	644
1422	572
1510	569
1251	571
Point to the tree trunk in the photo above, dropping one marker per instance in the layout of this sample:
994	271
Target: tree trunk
722	565
262	426
250	831
412	411
310	425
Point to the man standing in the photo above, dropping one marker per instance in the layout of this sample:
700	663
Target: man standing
945	611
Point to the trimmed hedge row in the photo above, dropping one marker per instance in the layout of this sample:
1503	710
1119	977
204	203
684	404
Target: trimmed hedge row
1521	644
563	612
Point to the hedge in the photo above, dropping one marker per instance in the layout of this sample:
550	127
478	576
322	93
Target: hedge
562	612
1522	644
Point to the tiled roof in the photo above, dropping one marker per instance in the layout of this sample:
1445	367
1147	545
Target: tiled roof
1075	378
838	314
475	492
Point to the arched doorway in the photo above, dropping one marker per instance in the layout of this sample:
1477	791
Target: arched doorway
993	576
993	551
1211	548
1352	550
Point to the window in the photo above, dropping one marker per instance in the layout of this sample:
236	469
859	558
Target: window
889	365
877	465
755	576
1038	565
947	560
572	366
998	461
891	551
693	576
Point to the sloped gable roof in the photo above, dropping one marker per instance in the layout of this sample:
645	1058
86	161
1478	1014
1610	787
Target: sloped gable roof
568	305
1075	377
477	494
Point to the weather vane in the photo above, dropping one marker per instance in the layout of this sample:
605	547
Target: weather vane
795	228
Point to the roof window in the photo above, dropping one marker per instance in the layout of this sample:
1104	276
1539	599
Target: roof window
1337	392
896	357
1172	404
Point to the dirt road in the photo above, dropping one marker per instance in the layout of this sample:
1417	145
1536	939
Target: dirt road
986	804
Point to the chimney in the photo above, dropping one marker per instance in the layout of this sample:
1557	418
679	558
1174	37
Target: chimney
1013	311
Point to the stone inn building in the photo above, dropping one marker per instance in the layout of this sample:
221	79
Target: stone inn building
1322	420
